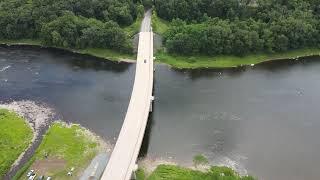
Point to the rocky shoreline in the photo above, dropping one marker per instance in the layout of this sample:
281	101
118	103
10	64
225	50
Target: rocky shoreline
39	118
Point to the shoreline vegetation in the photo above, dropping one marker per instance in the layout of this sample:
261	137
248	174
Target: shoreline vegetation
107	54
230	61
104	29
231	33
38	117
64	146
15	137
179	61
85	26
200	170
174	172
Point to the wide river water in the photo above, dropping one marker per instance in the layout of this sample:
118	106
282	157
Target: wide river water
263	120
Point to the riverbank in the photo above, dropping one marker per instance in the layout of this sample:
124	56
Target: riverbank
28	141
107	54
153	169
38	117
181	62
64	147
160	26
15	137
195	62
174	172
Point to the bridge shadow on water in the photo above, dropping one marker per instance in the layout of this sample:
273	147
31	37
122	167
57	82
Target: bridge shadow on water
146	138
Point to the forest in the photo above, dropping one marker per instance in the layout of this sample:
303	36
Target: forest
205	27
239	27
70	23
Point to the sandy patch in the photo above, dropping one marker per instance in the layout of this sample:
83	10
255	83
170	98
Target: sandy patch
45	166
149	164
128	60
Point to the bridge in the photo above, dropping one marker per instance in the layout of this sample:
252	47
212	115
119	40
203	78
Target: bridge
122	162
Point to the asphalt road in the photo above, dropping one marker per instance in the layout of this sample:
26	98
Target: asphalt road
146	22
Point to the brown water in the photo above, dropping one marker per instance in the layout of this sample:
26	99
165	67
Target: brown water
262	120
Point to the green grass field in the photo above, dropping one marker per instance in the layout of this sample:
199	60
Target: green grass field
193	62
171	172
159	25
15	137
70	144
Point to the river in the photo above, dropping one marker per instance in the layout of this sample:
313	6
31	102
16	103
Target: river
262	120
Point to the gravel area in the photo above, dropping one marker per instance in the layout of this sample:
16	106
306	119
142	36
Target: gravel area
38	116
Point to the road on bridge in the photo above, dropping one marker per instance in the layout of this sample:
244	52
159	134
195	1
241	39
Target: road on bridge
125	153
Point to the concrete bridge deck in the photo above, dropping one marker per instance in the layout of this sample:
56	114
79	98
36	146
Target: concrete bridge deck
125	153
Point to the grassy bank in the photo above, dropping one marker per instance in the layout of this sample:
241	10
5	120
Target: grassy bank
159	25
97	52
62	148
15	137
134	28
194	62
171	172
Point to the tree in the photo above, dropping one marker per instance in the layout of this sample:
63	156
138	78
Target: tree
239	27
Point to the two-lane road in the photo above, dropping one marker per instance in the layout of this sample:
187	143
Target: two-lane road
146	22
125	153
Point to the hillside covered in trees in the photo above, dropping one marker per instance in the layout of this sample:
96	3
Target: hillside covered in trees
70	23
239	27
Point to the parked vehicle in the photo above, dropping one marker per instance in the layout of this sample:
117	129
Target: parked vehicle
32	177
71	171
30	173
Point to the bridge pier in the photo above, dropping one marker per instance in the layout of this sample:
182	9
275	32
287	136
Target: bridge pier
134	175
151	104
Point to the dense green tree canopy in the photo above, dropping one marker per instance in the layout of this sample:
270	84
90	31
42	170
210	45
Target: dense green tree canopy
239	27
69	23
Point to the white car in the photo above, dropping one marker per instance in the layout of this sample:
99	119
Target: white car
31	172
32	177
